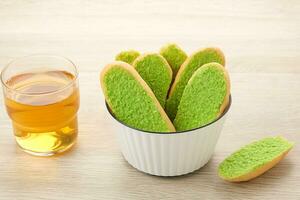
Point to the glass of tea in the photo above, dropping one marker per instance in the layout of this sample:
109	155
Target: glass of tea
42	99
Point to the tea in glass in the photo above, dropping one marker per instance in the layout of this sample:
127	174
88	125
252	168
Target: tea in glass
42	99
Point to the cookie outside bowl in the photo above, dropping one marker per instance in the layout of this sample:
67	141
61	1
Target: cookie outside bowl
170	153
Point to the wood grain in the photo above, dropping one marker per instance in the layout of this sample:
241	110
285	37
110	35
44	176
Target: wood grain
261	41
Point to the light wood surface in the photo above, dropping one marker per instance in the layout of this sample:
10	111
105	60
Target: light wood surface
261	41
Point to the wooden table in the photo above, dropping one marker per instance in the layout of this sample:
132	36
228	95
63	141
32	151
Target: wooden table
261	40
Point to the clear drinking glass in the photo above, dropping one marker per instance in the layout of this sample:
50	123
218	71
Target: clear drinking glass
42	99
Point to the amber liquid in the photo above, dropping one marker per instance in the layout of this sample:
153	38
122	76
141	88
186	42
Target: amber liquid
44	111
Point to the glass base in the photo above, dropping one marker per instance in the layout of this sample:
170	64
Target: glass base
47	142
46	154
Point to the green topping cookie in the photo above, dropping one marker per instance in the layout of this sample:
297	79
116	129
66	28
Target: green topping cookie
204	97
127	56
156	72
254	159
174	55
186	71
131	100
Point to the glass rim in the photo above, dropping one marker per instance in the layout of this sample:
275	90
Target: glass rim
37	55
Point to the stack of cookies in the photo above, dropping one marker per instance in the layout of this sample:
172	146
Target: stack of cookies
167	91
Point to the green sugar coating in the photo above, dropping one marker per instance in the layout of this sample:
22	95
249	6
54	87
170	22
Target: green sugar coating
127	56
195	61
253	156
130	103
174	55
202	98
156	72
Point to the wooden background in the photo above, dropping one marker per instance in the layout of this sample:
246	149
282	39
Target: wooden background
261	40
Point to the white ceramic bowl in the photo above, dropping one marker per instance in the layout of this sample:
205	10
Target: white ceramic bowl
169	154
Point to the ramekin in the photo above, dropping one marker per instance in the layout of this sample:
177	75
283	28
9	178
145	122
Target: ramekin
169	154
